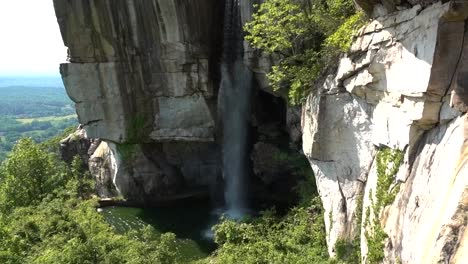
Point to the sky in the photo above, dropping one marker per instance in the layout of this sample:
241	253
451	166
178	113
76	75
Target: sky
30	40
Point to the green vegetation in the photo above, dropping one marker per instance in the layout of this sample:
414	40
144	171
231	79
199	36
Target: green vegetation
350	251
37	112
127	151
388	163
298	237
32	102
45	119
300	166
48	215
304	37
136	128
11	130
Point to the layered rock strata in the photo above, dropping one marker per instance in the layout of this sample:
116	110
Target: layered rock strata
145	77
402	86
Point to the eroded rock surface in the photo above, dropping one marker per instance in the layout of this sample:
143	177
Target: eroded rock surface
427	221
145	78
78	144
403	77
137	66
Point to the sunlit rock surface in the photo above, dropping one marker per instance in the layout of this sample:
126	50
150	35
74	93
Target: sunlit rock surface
427	222
136	66
402	86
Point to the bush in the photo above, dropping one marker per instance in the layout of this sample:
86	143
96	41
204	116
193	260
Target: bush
305	36
298	237
28	175
48	216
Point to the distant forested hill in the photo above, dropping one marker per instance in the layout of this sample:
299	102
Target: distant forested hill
33	107
27	102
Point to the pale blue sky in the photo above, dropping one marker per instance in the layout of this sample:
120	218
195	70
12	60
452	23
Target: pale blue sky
30	41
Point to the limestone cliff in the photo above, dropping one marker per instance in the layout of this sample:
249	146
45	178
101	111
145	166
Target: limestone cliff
387	132
403	87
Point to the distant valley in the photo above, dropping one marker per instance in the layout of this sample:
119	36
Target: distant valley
36	107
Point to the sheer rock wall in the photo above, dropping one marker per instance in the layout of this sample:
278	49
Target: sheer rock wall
145	78
402	86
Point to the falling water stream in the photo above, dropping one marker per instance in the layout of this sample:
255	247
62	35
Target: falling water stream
234	99
236	85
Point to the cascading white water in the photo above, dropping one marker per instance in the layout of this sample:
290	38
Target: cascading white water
236	85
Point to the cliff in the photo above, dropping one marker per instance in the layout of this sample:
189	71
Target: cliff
386	134
146	78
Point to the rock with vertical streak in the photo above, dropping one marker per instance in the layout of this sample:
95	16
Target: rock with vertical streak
337	140
135	65
143	75
401	86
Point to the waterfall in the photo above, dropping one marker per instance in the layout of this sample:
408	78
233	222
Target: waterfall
236	85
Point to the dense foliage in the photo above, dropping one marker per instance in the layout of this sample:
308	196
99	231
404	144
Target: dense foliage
298	237
28	102
48	215
304	36
39	129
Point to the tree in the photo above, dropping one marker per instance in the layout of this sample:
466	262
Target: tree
303	36
28	175
48	215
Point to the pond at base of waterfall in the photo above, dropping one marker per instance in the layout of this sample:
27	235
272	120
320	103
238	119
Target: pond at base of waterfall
189	221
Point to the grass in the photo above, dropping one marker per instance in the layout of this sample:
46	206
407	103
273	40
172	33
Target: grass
44	119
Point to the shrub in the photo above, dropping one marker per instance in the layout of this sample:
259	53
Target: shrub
305	36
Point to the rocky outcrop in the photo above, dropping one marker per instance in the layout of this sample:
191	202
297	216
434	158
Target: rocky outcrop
400	87
103	166
145	77
337	141
79	144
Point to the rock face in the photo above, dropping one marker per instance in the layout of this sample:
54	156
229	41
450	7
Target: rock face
145	78
427	222
402	86
143	75
79	144
382	7
137	66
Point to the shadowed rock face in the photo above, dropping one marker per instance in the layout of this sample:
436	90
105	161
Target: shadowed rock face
145	77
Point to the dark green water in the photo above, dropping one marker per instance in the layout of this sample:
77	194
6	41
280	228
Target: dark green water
188	221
